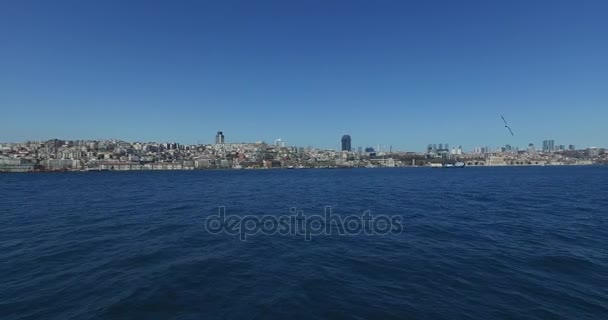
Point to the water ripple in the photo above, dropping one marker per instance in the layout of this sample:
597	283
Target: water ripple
478	243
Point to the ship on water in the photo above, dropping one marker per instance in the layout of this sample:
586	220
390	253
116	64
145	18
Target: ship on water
457	164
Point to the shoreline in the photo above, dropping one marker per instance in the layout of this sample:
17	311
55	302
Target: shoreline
305	168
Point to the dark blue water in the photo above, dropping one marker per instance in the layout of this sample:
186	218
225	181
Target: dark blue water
477	243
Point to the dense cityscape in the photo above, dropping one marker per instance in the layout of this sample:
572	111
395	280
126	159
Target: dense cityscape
87	155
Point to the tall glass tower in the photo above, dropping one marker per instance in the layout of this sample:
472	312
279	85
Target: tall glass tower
346	143
219	138
549	145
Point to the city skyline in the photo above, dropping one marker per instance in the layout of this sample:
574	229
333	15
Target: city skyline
315	159
345	143
82	155
305	72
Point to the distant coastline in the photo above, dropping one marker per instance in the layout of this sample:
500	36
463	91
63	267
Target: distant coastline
96	171
115	155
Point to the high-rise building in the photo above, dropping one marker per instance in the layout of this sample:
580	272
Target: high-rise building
549	145
571	147
346	143
219	138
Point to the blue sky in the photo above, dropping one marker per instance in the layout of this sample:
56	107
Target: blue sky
397	73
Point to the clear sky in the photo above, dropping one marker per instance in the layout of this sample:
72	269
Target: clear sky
400	73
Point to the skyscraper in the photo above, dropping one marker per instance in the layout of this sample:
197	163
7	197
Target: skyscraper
549	145
345	142
219	138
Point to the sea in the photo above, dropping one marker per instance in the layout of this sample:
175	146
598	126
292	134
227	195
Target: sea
473	243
